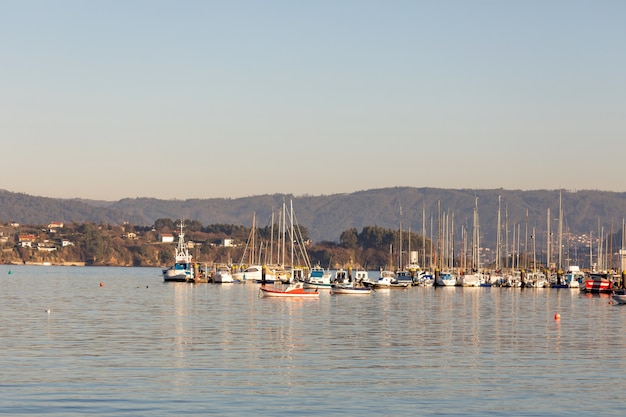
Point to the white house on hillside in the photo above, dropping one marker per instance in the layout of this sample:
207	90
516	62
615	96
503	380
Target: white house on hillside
167	237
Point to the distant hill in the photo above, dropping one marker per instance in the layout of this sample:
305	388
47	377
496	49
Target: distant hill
327	216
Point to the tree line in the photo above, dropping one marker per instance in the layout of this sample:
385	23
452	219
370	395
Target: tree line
106	244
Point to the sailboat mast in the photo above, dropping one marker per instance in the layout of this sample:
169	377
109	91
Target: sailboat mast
424	233
272	239
252	242
283	234
548	238
498	242
452	242
526	243
534	251
507	249
400	266
476	240
560	231
408	250
590	249
291	229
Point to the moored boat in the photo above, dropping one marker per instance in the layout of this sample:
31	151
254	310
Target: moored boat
250	273
470	280
619	296
292	290
387	279
597	283
318	278
574	277
350	289
446	279
182	270
404	276
223	275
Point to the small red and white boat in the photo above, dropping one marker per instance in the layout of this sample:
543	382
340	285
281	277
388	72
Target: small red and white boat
293	290
598	283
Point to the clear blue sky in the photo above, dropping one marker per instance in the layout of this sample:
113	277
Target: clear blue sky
202	99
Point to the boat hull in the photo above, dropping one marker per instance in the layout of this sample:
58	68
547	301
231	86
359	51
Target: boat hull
619	298
176	275
285	293
352	291
598	286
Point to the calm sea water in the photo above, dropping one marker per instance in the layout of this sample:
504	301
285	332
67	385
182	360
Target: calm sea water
137	346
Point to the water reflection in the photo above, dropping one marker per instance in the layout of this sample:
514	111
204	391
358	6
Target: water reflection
172	349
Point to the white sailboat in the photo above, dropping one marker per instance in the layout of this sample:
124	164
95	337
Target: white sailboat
475	278
253	271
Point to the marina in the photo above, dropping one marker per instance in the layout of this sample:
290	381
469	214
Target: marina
109	341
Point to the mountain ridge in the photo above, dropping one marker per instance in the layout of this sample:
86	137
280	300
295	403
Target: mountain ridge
326	216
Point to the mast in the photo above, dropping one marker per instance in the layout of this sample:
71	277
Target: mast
526	243
431	241
439	225
506	237
560	231
272	239
291	236
283	234
590	250
424	233
498	243
549	238
534	251
252	242
400	266
452	242
476	239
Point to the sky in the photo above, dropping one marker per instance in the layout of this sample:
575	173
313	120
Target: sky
224	99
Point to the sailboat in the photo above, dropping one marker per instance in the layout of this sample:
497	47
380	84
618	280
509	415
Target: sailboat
182	270
476	277
296	284
253	271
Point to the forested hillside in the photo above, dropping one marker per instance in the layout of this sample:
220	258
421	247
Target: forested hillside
326	216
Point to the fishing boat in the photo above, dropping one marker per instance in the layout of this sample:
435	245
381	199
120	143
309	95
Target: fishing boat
318	278
536	279
344	283
574	277
404	276
182	270
446	279
387	279
426	280
571	279
292	290
360	277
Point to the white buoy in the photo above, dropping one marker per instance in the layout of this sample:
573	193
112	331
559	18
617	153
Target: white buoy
48	311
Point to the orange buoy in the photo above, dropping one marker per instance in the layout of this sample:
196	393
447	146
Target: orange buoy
557	316
102	284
